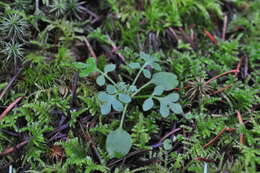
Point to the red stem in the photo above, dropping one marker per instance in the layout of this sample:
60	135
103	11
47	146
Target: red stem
9	108
211	37
223	74
240	119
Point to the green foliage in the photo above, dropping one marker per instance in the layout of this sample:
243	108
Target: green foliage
68	8
13	52
14	27
119	95
142	130
100	109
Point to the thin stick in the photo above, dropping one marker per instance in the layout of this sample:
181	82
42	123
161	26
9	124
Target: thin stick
225	129
90	141
74	88
10	83
223	74
90	49
240	119
12	149
238	66
201	159
211	37
114	50
224	27
165	137
169	134
174	33
221	90
127	156
187	37
10	107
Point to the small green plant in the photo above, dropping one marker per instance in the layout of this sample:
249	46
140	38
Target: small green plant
58	8
119	95
68	8
14	27
13	51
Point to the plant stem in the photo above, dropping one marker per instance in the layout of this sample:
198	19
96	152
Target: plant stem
108	78
123	116
134	82
141	97
138	74
144	86
223	74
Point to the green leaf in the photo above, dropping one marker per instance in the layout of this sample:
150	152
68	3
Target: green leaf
3	85
148	104
91	62
80	65
156	66
124	98
164	110
88	68
173	97
117	105
101	80
134	65
147	74
105	108
103	97
111	89
176	108
84	73
165	79
109	68
147	58
158	90
118	143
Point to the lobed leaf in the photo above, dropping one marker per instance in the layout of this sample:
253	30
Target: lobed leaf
165	79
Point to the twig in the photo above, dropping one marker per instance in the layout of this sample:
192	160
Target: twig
10	107
211	37
165	137
223	74
127	156
174	33
238	66
169	134
225	129
90	49
240	119
224	27
201	159
220	90
245	71
91	13
10	83
12	149
90	141
114	50
74	88
187	37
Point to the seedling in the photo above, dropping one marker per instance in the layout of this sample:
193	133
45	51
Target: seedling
118	95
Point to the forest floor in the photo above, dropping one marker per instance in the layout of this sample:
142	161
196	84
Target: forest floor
129	86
